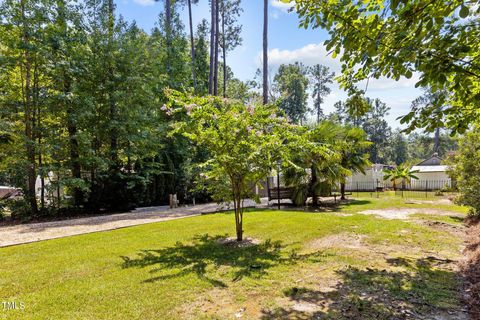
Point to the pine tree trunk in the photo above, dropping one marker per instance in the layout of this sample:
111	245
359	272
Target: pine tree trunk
224	51
192	45
73	143
111	88
318	107
265	51
436	146
212	47
217	33
29	119
168	36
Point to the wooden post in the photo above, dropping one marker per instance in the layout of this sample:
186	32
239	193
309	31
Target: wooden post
278	189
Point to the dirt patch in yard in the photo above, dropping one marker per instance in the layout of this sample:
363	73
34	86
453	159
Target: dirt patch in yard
232	242
458	230
471	268
340	240
437	201
405	213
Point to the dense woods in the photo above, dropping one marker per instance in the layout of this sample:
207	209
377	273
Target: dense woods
83	122
80	104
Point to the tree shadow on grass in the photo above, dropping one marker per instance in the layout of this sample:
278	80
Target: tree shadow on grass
423	287
207	253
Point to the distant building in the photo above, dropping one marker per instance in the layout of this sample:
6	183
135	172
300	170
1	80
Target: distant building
370	180
431	169
432	174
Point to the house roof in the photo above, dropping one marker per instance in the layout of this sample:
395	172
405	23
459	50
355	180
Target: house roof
430	168
434	160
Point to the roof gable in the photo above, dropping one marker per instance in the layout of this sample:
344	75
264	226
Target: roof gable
432	161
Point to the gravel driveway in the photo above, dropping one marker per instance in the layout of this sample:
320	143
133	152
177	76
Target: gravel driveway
31	232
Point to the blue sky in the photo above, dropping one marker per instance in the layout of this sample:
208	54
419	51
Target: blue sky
287	44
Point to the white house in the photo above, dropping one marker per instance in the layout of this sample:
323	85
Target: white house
432	174
372	179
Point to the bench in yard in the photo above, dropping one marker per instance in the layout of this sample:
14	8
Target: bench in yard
282	193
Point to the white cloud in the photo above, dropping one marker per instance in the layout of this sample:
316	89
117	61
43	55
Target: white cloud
309	55
285	7
145	2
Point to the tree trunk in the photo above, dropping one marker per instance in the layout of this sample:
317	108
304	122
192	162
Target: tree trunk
342	191
29	119
192	45
224	51
111	87
217	33
239	218
73	144
212	47
318	107
312	188
265	51
437	141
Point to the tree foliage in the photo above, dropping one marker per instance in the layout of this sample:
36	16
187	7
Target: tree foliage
328	153
465	170
291	81
400	173
81	92
243	142
436	40
320	78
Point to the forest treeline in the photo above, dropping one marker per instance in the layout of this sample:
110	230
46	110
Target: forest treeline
82	95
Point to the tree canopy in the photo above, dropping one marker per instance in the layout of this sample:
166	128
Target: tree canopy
434	40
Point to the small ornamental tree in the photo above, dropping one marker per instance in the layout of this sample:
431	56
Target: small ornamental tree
244	143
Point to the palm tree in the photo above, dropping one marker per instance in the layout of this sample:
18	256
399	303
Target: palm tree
401	172
353	152
333	153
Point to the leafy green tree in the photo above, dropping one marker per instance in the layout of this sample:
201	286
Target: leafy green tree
378	130
243	142
438	40
422	145
402	173
369	115
23	47
465	170
320	77
240	90
398	148
201	58
292	82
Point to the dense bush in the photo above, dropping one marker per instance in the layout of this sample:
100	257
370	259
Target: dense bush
465	169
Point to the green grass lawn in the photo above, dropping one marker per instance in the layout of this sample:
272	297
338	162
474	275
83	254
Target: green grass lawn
335	264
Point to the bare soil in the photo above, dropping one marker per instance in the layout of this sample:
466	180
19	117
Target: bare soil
404	213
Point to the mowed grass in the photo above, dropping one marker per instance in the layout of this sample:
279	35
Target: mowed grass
337	264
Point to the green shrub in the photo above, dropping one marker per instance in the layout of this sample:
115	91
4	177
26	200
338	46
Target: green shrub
465	170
